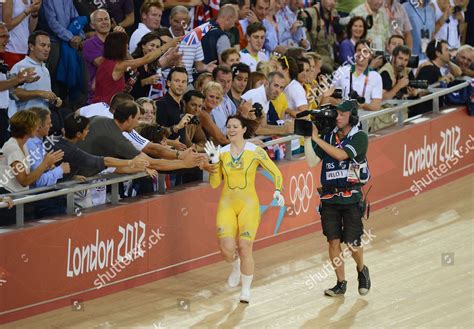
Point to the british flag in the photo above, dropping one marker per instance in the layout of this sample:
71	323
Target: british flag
197	34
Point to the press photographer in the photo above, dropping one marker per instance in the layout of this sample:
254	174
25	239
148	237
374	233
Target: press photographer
358	81
397	78
343	173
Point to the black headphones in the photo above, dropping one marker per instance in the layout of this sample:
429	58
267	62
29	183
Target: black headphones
354	118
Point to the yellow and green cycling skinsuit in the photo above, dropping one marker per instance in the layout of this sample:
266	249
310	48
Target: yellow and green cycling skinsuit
239	209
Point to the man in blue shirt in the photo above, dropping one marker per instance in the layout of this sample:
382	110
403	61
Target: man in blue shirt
37	93
422	18
48	207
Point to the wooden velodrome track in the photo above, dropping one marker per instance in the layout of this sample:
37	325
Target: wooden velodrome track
421	262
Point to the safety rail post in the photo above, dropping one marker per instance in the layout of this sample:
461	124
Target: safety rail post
436	105
400	116
161	184
289	152
70	209
20	215
365	125
114	197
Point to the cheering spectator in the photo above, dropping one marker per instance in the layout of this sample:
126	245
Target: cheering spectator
149	110
106	139
439	67
290	28
170	113
195	137
37	93
149	75
150	11
377	21
55	17
465	60
21	19
192	53
240	78
110	74
230	57
294	90
7	84
15	172
37	148
252	55
215	41
202	81
213	96
226	108
258	13
93	48
355	30
394	42
54	206
265	94
448	22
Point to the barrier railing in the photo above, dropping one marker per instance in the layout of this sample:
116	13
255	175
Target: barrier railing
71	187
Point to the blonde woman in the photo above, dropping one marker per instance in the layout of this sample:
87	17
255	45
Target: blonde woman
213	96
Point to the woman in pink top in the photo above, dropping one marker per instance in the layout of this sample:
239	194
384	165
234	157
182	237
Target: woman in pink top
110	79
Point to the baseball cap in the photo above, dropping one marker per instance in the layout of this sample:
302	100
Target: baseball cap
347	106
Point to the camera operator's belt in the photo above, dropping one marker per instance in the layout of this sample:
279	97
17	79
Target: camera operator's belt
324	190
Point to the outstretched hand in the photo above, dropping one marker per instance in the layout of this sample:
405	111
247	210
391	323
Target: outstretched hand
212	151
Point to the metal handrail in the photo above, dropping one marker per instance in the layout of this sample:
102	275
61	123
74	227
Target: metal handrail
70	187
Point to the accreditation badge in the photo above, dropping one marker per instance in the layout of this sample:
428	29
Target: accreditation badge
353	173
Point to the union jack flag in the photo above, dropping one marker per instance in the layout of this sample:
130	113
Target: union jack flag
196	35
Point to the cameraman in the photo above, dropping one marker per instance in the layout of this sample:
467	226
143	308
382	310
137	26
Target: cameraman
358	81
396	76
6	84
344	170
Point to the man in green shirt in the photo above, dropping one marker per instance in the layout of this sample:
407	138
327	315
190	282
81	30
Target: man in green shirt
344	170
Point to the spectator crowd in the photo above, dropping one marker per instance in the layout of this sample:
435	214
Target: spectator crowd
123	86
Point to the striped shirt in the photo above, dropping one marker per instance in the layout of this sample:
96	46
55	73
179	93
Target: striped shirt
138	141
191	54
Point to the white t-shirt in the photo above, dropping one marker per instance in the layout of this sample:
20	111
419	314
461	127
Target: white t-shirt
4	95
96	109
247	58
295	95
448	31
19	34
137	35
373	89
12	153
258	95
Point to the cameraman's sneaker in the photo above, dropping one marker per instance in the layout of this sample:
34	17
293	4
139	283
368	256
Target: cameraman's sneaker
364	281
338	290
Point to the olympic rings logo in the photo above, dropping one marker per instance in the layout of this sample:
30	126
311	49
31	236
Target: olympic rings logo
301	191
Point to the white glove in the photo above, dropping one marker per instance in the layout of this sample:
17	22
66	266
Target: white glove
212	151
280	199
